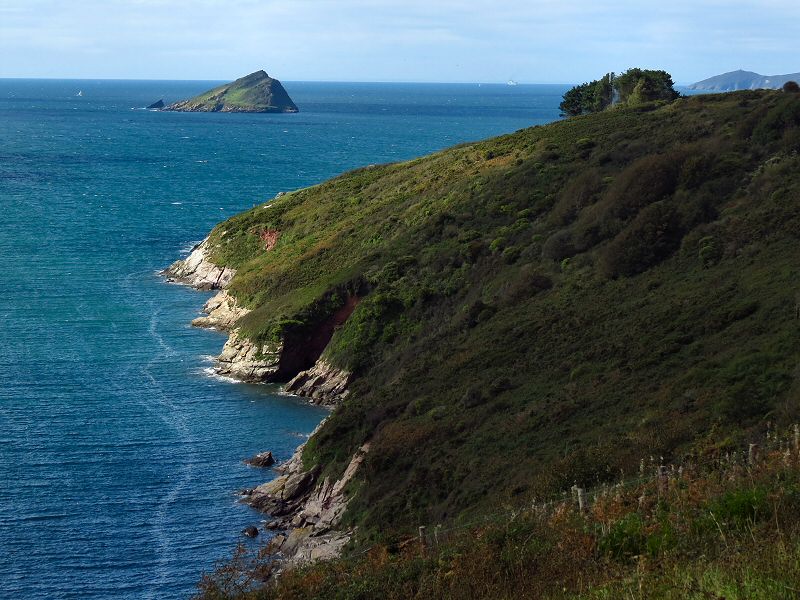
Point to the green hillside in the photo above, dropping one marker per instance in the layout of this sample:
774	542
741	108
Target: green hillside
544	308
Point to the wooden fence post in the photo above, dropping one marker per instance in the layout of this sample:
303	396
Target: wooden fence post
663	477
581	499
752	454
422	541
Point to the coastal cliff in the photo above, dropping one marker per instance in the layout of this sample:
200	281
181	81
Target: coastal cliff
307	510
253	362
197	271
521	315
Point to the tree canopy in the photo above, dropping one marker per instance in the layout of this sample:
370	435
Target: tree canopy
631	88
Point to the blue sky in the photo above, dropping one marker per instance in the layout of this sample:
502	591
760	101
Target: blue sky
536	41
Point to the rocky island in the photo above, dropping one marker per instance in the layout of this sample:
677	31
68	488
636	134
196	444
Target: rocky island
254	93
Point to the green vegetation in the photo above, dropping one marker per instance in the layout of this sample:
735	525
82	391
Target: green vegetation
634	87
721	530
257	92
545	308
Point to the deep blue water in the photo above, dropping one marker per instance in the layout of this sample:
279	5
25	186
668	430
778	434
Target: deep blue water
119	454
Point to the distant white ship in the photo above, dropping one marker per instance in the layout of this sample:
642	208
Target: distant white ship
80	93
512	82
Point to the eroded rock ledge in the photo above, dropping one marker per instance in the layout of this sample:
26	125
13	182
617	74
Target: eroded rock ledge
244	360
221	312
321	384
308	508
198	271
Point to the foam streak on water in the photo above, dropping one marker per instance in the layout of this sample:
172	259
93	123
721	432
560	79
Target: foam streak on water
119	454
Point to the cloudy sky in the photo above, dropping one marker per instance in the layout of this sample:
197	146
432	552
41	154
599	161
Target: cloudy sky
533	41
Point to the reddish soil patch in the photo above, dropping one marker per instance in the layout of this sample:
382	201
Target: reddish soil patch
270	238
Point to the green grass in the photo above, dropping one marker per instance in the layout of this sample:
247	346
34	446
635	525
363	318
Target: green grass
546	307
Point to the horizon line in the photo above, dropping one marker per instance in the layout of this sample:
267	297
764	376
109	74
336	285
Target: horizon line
396	81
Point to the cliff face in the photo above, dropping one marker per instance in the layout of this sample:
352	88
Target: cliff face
254	362
257	92
307	509
322	384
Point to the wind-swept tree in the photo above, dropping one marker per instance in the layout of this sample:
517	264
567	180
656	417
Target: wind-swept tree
631	88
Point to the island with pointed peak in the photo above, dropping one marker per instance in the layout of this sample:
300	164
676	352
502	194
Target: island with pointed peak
254	93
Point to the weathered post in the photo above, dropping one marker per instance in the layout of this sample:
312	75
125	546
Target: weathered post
436	533
581	499
752	454
423	543
663	478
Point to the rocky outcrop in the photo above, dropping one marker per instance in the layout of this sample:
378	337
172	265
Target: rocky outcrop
198	271
262	459
247	361
310	509
321	384
157	105
222	312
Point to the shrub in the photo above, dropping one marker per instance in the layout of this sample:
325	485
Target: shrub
741	508
653	236
558	246
710	251
791	87
581	191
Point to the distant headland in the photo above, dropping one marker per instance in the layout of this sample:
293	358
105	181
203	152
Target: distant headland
743	80
255	93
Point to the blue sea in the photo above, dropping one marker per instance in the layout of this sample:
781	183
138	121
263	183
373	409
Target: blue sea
120	452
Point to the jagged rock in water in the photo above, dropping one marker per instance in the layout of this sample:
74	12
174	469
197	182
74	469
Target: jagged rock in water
157	105
262	459
250	531
256	93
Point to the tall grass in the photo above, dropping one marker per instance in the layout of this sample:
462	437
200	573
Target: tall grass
719	527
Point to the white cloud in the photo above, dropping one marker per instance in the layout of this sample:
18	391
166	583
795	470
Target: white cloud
537	40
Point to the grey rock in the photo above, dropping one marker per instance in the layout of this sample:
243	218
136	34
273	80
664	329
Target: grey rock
262	459
250	531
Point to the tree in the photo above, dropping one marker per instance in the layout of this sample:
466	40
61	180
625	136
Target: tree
791	87
631	88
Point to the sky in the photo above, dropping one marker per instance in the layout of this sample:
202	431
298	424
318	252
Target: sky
533	41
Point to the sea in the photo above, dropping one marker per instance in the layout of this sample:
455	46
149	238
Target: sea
120	451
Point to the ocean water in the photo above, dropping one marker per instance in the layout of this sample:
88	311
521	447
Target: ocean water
120	454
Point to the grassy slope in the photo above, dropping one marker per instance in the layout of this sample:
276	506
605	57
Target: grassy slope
544	307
